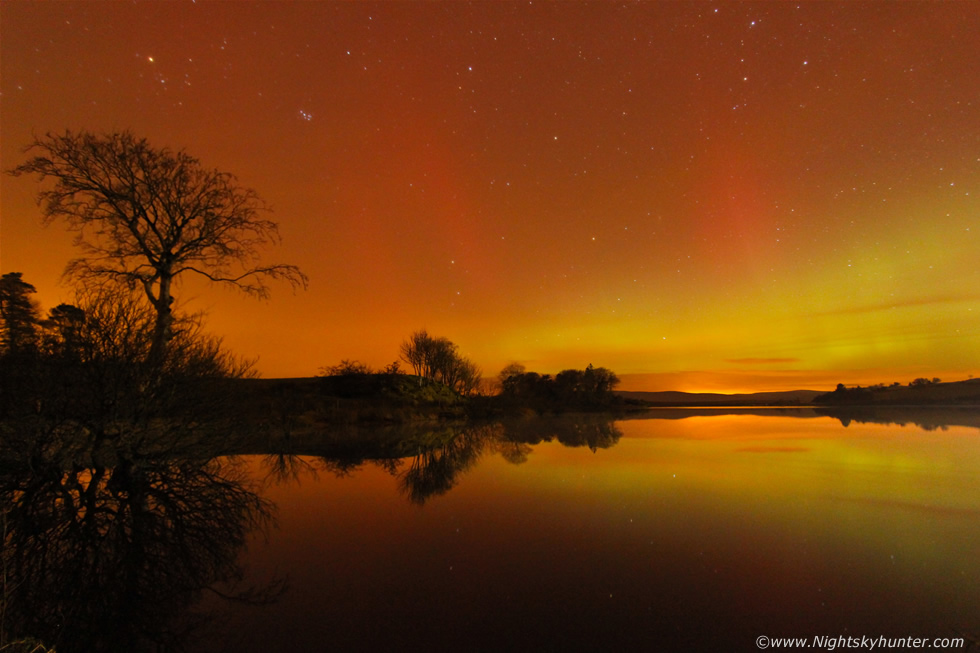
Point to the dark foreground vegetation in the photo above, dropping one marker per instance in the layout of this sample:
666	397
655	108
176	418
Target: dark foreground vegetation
120	419
351	392
89	375
131	541
124	502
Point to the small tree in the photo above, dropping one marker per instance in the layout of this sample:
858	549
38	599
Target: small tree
347	368
590	388
19	316
418	351
145	216
599	382
63	330
438	359
509	373
470	377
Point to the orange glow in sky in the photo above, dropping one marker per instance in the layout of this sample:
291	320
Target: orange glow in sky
699	196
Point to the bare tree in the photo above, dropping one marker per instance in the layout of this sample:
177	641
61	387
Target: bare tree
438	359
445	361
470	377
417	351
144	216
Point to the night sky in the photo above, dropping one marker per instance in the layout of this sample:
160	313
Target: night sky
698	196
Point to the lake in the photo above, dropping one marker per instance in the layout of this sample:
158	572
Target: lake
676	530
686	530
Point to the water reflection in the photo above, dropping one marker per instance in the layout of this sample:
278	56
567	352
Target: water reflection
744	523
928	418
435	470
430	462
284	467
110	557
680	534
592	431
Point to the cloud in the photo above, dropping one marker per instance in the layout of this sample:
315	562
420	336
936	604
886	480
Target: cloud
761	361
901	303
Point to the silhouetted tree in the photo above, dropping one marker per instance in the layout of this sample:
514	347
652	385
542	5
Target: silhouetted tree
921	381
570	385
113	558
469	378
529	389
445	361
346	368
452	369
145	216
63	331
510	371
417	351
599	382
844	395
19	316
589	389
438	359
96	382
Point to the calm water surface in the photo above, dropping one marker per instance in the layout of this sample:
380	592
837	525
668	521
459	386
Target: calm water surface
685	531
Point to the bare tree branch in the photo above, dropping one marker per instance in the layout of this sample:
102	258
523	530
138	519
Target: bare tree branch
143	216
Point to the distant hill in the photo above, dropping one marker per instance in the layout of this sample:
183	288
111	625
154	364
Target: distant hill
957	393
672	398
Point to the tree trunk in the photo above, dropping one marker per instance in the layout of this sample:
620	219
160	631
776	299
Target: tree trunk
163	327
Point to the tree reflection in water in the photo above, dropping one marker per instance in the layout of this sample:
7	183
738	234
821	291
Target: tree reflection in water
929	418
436	470
429	463
112	552
111	558
592	431
284	467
